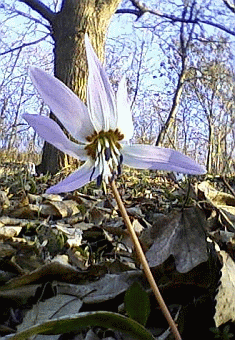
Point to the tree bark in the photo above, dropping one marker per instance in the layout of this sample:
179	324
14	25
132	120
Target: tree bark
68	27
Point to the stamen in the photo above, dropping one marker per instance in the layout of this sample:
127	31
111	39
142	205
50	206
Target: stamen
115	148
107	153
99	180
104	150
99	147
92	173
119	169
114	158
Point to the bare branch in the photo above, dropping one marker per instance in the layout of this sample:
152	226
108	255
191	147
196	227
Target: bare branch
16	12
25	15
42	9
25	45
138	73
142	8
231	7
129	11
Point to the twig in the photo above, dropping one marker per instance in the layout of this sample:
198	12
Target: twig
144	262
25	45
228	185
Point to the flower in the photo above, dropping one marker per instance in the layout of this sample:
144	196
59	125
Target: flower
102	129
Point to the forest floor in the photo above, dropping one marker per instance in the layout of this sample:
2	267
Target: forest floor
71	253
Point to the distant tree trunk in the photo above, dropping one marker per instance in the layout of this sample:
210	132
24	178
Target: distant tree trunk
185	41
172	114
70	64
165	130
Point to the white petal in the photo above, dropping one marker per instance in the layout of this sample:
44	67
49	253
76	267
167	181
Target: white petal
67	107
49	130
76	180
125	123
151	157
100	96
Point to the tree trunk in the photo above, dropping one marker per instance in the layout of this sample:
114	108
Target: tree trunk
70	64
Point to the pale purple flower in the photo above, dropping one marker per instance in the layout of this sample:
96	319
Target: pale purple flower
102	129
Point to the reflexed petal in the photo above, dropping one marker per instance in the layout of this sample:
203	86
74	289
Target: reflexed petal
49	130
67	107
125	123
152	157
76	180
100	96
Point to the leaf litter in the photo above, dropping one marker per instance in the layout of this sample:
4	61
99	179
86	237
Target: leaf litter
71	253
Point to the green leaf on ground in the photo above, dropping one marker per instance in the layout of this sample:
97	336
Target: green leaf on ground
80	321
137	303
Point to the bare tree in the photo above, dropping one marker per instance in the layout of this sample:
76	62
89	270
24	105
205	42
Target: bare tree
183	52
213	86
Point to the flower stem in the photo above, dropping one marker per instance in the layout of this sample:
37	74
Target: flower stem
144	262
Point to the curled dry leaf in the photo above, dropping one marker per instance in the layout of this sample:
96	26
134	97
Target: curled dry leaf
225	298
180	234
225	203
59	208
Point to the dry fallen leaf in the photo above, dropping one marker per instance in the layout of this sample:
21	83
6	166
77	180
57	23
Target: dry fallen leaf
222	201
57	306
225	298
180	234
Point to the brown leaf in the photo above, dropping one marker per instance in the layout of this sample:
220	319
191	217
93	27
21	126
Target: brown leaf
181	234
4	201
59	208
6	250
225	298
96	216
224	202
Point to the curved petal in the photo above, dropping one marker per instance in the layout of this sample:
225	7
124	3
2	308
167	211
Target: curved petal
76	180
100	96
125	123
151	157
67	107
49	130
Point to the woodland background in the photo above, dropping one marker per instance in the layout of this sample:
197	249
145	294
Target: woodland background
178	57
70	253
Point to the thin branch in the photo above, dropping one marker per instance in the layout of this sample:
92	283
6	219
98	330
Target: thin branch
25	15
129	11
42	9
25	45
144	9
138	73
229	6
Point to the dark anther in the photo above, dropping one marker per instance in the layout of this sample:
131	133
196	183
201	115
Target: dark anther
121	159
119	169
107	153
93	170
99	180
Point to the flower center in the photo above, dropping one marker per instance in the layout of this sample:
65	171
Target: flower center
104	148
